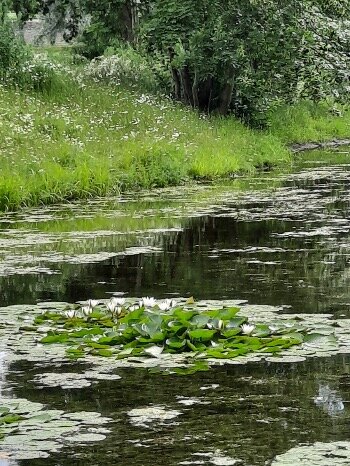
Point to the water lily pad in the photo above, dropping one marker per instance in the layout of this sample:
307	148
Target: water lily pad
87	438
318	453
146	417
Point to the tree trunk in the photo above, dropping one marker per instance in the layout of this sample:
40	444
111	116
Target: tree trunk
195	91
177	83
127	20
175	75
226	94
186	85
204	94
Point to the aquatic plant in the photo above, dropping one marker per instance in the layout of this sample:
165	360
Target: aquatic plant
29	430
150	328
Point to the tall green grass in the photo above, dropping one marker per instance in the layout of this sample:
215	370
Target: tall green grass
102	140
310	121
79	138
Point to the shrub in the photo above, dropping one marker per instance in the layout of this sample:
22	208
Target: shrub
13	53
126	66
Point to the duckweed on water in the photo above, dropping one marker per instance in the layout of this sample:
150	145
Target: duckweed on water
149	328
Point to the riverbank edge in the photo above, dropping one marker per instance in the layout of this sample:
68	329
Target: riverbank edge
57	158
294	150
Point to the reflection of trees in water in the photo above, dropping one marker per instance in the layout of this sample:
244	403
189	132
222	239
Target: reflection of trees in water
3	371
79	281
329	400
214	257
220	257
255	412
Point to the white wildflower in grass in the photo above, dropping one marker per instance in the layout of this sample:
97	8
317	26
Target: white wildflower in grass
70	314
148	302
247	329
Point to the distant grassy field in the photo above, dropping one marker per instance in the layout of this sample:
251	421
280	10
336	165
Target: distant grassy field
89	139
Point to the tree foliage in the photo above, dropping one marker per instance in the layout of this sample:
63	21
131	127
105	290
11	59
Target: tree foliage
240	56
244	55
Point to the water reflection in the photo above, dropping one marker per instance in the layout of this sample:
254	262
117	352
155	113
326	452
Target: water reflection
284	246
287	246
329	400
3	371
251	413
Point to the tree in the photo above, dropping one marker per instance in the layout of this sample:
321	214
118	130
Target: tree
242	55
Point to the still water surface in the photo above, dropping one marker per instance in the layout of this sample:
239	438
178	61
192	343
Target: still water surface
282	240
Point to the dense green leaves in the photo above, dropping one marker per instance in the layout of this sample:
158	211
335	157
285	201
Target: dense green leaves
246	56
241	56
217	333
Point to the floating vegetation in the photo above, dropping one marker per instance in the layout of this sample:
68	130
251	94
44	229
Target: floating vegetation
72	380
147	417
150	328
322	454
28	430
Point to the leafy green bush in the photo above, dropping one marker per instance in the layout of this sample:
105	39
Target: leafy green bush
13	53
20	68
41	75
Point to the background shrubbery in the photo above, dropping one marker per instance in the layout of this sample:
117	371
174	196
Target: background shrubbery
22	68
122	64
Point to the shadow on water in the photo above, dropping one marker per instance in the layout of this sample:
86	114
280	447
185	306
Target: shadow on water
250	412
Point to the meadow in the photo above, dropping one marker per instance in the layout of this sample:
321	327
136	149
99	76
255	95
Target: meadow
82	137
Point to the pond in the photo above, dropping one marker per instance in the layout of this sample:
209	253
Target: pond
281	239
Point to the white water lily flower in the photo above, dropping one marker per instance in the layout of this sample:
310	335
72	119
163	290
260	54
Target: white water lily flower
111	306
93	303
247	329
166	304
148	302
118	310
134	307
70	314
87	310
221	324
118	301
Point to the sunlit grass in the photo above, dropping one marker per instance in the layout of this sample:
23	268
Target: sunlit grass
310	121
102	140
86	139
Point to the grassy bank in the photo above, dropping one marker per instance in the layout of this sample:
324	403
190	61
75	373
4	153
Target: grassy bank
102	140
93	140
309	121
